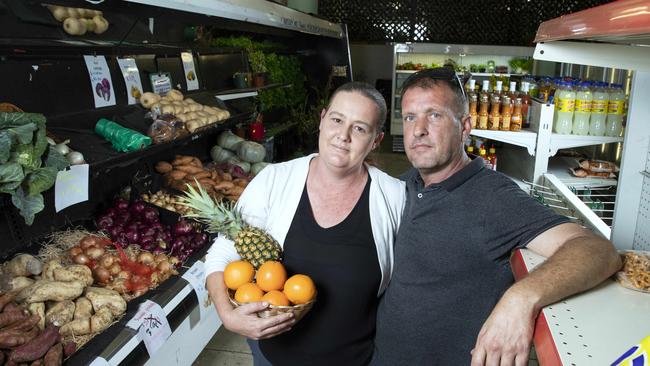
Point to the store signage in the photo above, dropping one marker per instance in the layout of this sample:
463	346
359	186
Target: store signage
71	186
196	277
151	323
99	362
308	27
101	83
161	82
131	79
190	72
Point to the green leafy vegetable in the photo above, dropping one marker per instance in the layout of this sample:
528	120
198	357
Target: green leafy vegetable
28	206
24	155
11	173
5	146
56	159
24	133
40	180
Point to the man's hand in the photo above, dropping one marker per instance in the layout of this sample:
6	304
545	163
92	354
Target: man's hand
505	338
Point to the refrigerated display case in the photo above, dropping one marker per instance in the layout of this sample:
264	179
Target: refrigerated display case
600	325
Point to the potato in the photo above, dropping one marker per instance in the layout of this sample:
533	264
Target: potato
49	267
60	313
38	308
75	272
178	109
74	26
83	308
96	323
10	284
175	94
101	298
59	13
148	99
101	24
72	12
23	265
46	290
167	109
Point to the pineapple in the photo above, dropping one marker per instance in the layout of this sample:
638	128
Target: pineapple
252	244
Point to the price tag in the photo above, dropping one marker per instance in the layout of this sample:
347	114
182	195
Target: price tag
196	277
190	72
152	326
131	79
161	83
71	187
99	362
100	81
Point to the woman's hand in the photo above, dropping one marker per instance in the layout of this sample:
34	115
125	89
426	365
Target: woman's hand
243	319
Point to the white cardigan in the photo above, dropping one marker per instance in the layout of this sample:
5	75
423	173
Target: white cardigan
271	200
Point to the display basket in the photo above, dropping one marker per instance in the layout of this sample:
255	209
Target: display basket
299	311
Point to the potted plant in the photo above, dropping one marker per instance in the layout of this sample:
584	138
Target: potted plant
257	61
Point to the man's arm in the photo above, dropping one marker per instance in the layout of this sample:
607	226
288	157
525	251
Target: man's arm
577	260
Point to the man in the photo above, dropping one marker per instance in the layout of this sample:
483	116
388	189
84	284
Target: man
451	299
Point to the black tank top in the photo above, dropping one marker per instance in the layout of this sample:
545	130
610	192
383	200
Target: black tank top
342	261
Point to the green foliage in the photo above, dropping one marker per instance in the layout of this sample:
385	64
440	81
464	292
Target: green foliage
22	174
284	70
257	61
246	43
523	63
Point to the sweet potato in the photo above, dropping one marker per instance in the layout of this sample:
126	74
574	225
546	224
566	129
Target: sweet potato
83	308
177	174
49	267
54	357
39	362
37	347
38	308
224	186
23	265
196	162
225	176
69	348
199	176
182	160
163	167
240	182
76	272
14	338
96	323
60	313
12	306
7	299
24	325
11	316
189	169
9	283
45	290
101	297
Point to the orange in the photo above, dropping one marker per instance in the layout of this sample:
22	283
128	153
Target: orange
277	298
248	292
238	273
271	276
299	289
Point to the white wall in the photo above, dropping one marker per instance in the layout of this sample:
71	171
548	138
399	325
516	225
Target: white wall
371	62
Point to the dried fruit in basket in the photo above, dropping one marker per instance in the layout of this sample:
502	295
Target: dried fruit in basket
252	244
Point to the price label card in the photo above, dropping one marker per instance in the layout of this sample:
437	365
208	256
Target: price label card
71	186
152	326
161	82
196	277
131	79
99	362
190	72
100	81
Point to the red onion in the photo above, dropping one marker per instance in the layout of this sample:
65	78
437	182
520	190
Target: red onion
115	231
147	231
147	242
111	211
183	227
104	222
132	235
200	239
137	207
150	215
121	204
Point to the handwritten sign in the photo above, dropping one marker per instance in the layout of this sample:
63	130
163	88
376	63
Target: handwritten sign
190	72
196	277
131	79
161	82
152	326
71	186
100	81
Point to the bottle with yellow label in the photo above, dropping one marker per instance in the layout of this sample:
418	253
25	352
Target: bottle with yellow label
599	104
565	99
505	113
516	120
615	107
583	109
483	112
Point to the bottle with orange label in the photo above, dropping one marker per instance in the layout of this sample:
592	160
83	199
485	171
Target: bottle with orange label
525	104
517	116
505	113
473	100
495	116
483	112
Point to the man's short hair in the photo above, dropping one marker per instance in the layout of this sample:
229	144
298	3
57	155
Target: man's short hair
430	78
369	92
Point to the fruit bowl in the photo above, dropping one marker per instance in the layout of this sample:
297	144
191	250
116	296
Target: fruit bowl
299	311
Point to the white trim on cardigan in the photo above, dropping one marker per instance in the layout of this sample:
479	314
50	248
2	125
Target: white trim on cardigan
272	197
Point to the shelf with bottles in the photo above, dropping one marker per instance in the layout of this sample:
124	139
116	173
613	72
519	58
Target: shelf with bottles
524	138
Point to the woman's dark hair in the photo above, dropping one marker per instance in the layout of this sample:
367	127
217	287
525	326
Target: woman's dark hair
369	92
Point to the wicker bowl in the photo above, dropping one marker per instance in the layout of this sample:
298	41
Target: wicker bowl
299	311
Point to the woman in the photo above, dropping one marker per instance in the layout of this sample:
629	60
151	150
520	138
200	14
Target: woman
336	219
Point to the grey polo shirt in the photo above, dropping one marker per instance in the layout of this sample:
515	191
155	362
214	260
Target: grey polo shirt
452	264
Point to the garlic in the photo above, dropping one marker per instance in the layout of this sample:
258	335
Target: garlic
75	157
62	148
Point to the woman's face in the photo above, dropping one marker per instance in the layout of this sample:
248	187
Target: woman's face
348	130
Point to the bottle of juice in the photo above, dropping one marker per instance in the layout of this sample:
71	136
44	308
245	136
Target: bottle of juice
498	90
525	104
483	112
582	111
544	89
565	99
495	116
615	108
492	157
513	94
473	101
470	88
599	104
483	154
485	90
517	116
504	125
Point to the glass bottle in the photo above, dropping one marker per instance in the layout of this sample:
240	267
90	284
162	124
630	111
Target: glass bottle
498	89
517	116
504	125
483	154
470	88
615	112
470	150
544	89
473	101
565	99
599	104
492	157
495	116
483	112
485	90
583	109
525	104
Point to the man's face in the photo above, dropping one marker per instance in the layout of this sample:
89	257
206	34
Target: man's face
348	130
433	137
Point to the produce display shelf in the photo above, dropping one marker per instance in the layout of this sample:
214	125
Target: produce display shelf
523	138
569	141
230	94
592	328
